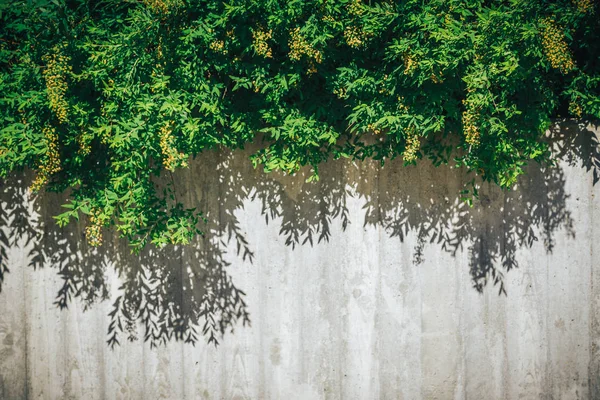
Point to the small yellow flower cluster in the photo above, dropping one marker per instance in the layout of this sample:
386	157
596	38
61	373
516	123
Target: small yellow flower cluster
51	161
384	89
162	6
84	140
409	64
105	134
57	66
470	128
260	43
374	129
299	47
401	104
172	158
555	46
413	144
436	79
355	7
328	18
159	50
575	109
218	46
341	93
93	232
354	37
583	6
255	87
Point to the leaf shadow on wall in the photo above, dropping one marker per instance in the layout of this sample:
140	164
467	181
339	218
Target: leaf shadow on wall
186	292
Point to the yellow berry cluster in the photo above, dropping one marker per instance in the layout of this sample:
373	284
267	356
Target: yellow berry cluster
299	47
401	104
260	43
355	36
93	232
218	46
171	157
384	85
575	109
161	6
583	6
105	133
436	79
159	49
412	146
341	93
51	161
374	129
409	64
555	46
57	66
355	7
84	140
471	131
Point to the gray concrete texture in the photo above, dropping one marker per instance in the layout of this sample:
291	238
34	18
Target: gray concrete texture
373	283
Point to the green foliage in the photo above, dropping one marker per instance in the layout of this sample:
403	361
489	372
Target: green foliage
103	98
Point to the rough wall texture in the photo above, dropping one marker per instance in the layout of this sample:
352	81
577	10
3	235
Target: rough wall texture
372	283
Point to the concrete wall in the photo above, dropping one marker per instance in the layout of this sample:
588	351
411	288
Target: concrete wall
372	283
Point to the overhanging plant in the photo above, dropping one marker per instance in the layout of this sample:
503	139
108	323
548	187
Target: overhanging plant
101	98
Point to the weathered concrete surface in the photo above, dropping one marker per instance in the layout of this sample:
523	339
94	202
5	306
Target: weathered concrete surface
373	283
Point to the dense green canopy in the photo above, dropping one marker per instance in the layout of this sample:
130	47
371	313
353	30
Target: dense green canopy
102	97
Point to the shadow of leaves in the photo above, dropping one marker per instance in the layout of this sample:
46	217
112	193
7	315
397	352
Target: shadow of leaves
183	293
